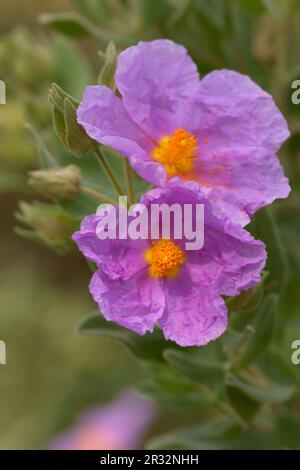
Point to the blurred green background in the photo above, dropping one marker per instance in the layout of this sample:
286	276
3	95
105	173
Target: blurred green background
52	372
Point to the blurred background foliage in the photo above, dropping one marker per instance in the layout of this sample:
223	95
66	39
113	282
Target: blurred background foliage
239	392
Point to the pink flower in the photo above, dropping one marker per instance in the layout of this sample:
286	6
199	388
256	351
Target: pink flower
119	425
221	133
141	282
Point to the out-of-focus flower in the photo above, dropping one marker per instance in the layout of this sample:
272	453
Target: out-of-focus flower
141	282
62	183
222	132
119	425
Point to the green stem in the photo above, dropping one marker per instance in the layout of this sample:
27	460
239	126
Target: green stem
128	181
108	171
96	195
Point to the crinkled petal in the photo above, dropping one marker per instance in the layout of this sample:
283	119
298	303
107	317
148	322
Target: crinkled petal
136	303
154	79
149	170
239	180
231	259
87	241
234	110
104	118
189	308
194	314
118	258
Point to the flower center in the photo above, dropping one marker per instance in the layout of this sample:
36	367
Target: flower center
176	152
164	258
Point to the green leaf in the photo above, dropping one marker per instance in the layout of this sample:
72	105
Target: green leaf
195	369
173	401
272	393
248	301
171	389
59	124
107	73
69	63
76	139
264	228
254	6
243	405
97	10
235	341
71	24
149	346
154	12
81	205
213	12
276	364
213	435
74	25
289	432
273	8
264	328
241	48
46	159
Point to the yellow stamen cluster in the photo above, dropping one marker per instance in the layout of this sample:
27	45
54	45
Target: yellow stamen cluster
176	152
164	258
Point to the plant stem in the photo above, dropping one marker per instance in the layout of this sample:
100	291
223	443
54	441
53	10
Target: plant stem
96	195
108	171
128	181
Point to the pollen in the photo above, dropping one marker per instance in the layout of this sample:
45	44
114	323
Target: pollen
177	152
164	258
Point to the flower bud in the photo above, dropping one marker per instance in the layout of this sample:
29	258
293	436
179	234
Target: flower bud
49	225
60	183
72	134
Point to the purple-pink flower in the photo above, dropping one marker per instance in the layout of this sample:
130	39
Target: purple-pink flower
119	425
221	133
143	282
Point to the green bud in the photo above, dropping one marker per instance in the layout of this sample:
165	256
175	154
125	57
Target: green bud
61	183
77	140
72	134
48	225
107	74
57	96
